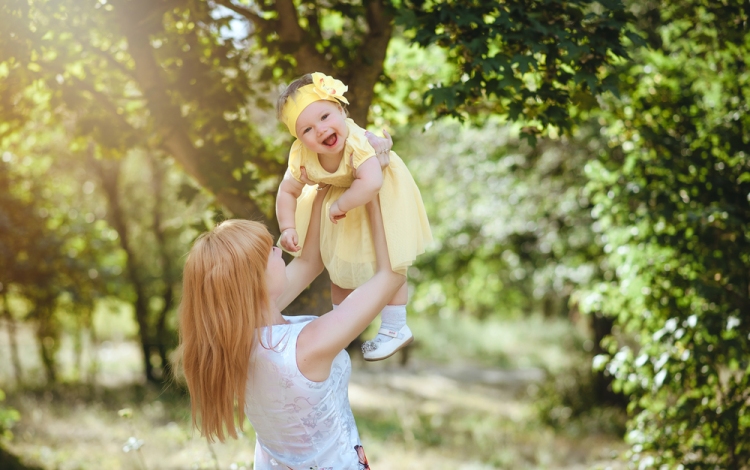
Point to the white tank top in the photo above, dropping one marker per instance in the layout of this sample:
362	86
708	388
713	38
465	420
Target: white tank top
299	424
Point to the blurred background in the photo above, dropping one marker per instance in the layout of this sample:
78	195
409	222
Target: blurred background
585	170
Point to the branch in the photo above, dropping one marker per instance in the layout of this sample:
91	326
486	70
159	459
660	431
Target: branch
108	57
289	28
378	19
247	13
291	34
104	102
171	126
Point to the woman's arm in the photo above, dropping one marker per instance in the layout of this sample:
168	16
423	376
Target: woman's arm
367	183
286	204
308	265
323	338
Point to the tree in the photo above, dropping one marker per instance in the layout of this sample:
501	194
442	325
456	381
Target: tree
49	255
151	226
130	68
169	78
672	200
511	223
538	62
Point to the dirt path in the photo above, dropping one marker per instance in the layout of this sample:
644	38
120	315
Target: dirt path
479	418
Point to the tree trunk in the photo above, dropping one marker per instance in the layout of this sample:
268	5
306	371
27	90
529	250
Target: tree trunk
167	119
366	70
93	370
141	316
47	337
162	340
109	174
12	340
78	339
602	383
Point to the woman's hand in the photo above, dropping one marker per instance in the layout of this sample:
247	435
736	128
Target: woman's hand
382	146
303	176
289	240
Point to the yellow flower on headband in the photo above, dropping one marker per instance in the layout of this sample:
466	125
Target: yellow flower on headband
328	87
323	87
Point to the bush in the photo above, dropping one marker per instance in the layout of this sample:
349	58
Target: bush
673	206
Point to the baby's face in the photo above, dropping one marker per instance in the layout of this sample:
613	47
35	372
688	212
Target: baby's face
322	128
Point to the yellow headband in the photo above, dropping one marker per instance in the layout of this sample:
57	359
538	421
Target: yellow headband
322	87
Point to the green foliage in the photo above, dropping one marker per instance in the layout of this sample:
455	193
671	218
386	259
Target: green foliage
408	69
50	254
8	417
80	60
511	223
86	233
75	106
530	60
673	203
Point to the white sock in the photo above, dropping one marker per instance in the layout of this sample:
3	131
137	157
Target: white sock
392	317
334	306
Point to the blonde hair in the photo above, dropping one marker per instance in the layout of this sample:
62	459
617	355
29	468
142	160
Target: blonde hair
224	303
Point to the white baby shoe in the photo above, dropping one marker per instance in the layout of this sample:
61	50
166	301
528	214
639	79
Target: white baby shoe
379	350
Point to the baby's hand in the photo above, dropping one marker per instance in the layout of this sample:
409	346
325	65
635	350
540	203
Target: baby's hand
335	213
289	240
304	178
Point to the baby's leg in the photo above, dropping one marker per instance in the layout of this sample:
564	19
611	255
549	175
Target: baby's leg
338	294
401	297
393	333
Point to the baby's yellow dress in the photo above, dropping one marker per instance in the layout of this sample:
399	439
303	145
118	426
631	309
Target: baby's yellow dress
346	247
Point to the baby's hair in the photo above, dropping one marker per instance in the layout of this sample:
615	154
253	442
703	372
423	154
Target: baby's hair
292	88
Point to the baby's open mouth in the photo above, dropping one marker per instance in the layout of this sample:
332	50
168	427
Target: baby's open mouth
331	140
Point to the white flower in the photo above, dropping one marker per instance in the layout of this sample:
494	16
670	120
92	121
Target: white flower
132	444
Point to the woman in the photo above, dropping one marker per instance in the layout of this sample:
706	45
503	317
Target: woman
289	375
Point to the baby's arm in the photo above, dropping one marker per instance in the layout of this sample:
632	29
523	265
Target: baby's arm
367	183
286	205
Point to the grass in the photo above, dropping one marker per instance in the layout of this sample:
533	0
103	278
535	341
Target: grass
548	343
469	398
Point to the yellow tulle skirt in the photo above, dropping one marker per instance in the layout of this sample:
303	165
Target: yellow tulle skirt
347	248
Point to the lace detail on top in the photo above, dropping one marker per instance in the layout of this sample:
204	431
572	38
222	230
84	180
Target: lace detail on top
299	424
